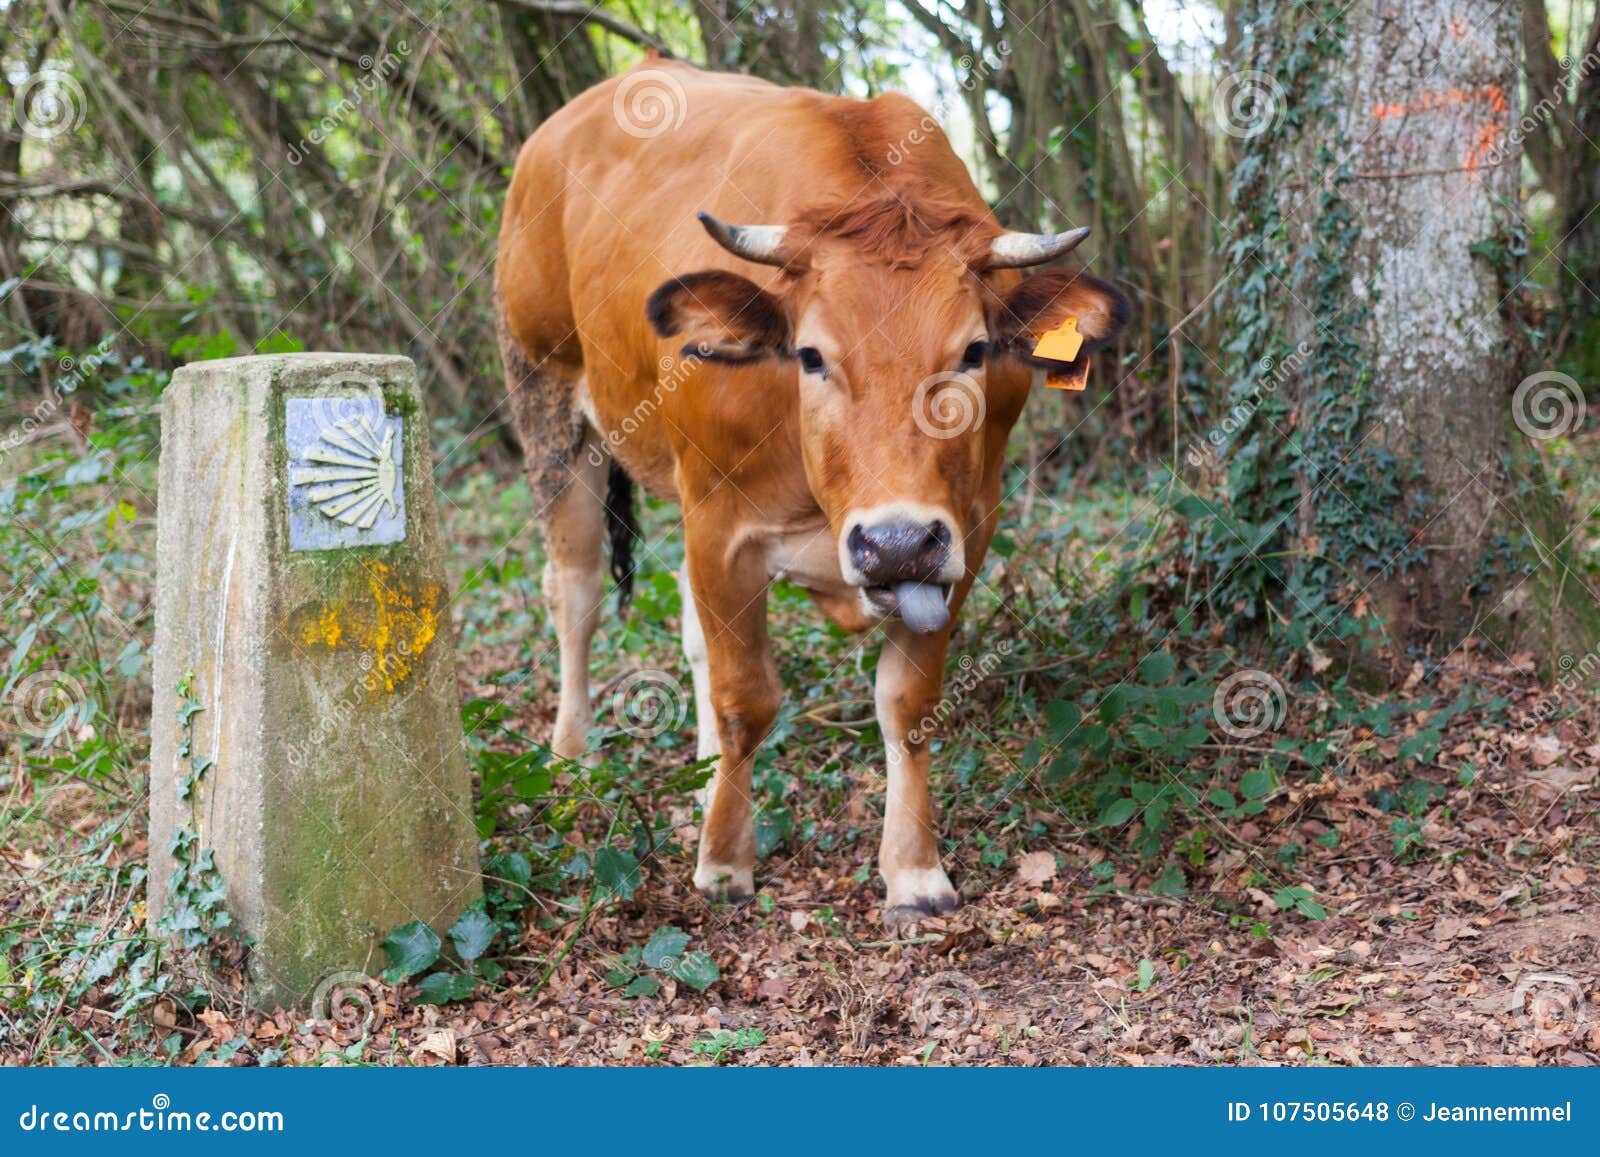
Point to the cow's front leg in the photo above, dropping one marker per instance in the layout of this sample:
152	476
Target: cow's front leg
910	677
729	588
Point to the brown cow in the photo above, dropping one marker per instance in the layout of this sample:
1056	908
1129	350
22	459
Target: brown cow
827	394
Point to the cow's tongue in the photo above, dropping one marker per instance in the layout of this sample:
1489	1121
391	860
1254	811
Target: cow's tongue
921	606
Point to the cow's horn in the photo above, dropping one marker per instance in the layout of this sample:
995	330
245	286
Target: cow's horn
1018	250
763	243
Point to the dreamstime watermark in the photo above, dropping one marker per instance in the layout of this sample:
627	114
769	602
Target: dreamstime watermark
944	1004
648	103
1572	674
968	674
1247	103
49	103
973	70
674	372
344	712
1553	1005
159	1117
44	702
648	703
348	1000
1547	405
1249	703
375	76
1573	73
1270	377
948	405
75	372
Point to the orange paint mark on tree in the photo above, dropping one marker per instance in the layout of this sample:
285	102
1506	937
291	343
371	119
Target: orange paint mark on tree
1489	134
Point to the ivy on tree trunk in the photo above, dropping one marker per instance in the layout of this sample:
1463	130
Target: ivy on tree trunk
1372	329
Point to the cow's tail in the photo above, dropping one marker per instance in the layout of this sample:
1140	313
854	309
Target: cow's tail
622	527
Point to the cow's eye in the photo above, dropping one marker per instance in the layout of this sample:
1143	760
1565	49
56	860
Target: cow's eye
810	360
972	357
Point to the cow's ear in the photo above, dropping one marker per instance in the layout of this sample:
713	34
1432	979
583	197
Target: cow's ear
722	317
1044	303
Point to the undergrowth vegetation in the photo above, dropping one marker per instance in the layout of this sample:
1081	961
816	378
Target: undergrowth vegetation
1096	693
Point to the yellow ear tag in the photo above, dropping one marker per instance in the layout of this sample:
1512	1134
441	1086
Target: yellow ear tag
1060	344
1073	377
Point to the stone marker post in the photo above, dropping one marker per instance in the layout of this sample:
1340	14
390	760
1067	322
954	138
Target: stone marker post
307	749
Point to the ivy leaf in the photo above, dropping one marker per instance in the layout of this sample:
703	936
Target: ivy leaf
1421	745
617	872
445	987
472	934
697	970
773	826
665	946
411	949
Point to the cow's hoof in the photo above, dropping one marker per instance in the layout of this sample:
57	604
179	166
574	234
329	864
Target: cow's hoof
916	895
722	884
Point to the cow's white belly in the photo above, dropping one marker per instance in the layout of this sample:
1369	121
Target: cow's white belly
807	558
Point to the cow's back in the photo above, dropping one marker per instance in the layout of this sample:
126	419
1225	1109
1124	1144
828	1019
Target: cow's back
604	196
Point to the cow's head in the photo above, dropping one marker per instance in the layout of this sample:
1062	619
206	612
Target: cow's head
912	343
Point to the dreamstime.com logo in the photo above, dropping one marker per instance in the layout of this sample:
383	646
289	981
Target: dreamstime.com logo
648	103
648	703
1249	703
944	1004
1553	1006
352	1001
948	404
1247	103
75	372
375	76
160	1117
674	371
971	71
44	702
1548	405
49	103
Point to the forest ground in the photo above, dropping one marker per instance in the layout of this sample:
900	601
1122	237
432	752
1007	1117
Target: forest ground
1402	871
1417	962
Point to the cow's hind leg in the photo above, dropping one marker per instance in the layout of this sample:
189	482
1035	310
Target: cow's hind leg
567	467
694	650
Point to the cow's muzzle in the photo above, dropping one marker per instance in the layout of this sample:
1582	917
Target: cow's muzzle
903	566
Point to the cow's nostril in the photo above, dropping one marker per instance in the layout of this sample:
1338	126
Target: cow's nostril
860	548
938	537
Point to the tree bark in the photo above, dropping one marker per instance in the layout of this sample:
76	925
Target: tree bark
1387	203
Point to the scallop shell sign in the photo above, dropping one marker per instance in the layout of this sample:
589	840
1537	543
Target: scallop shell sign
346	482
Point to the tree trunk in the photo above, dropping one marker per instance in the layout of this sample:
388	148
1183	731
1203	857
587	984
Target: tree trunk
1375	248
1580	224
